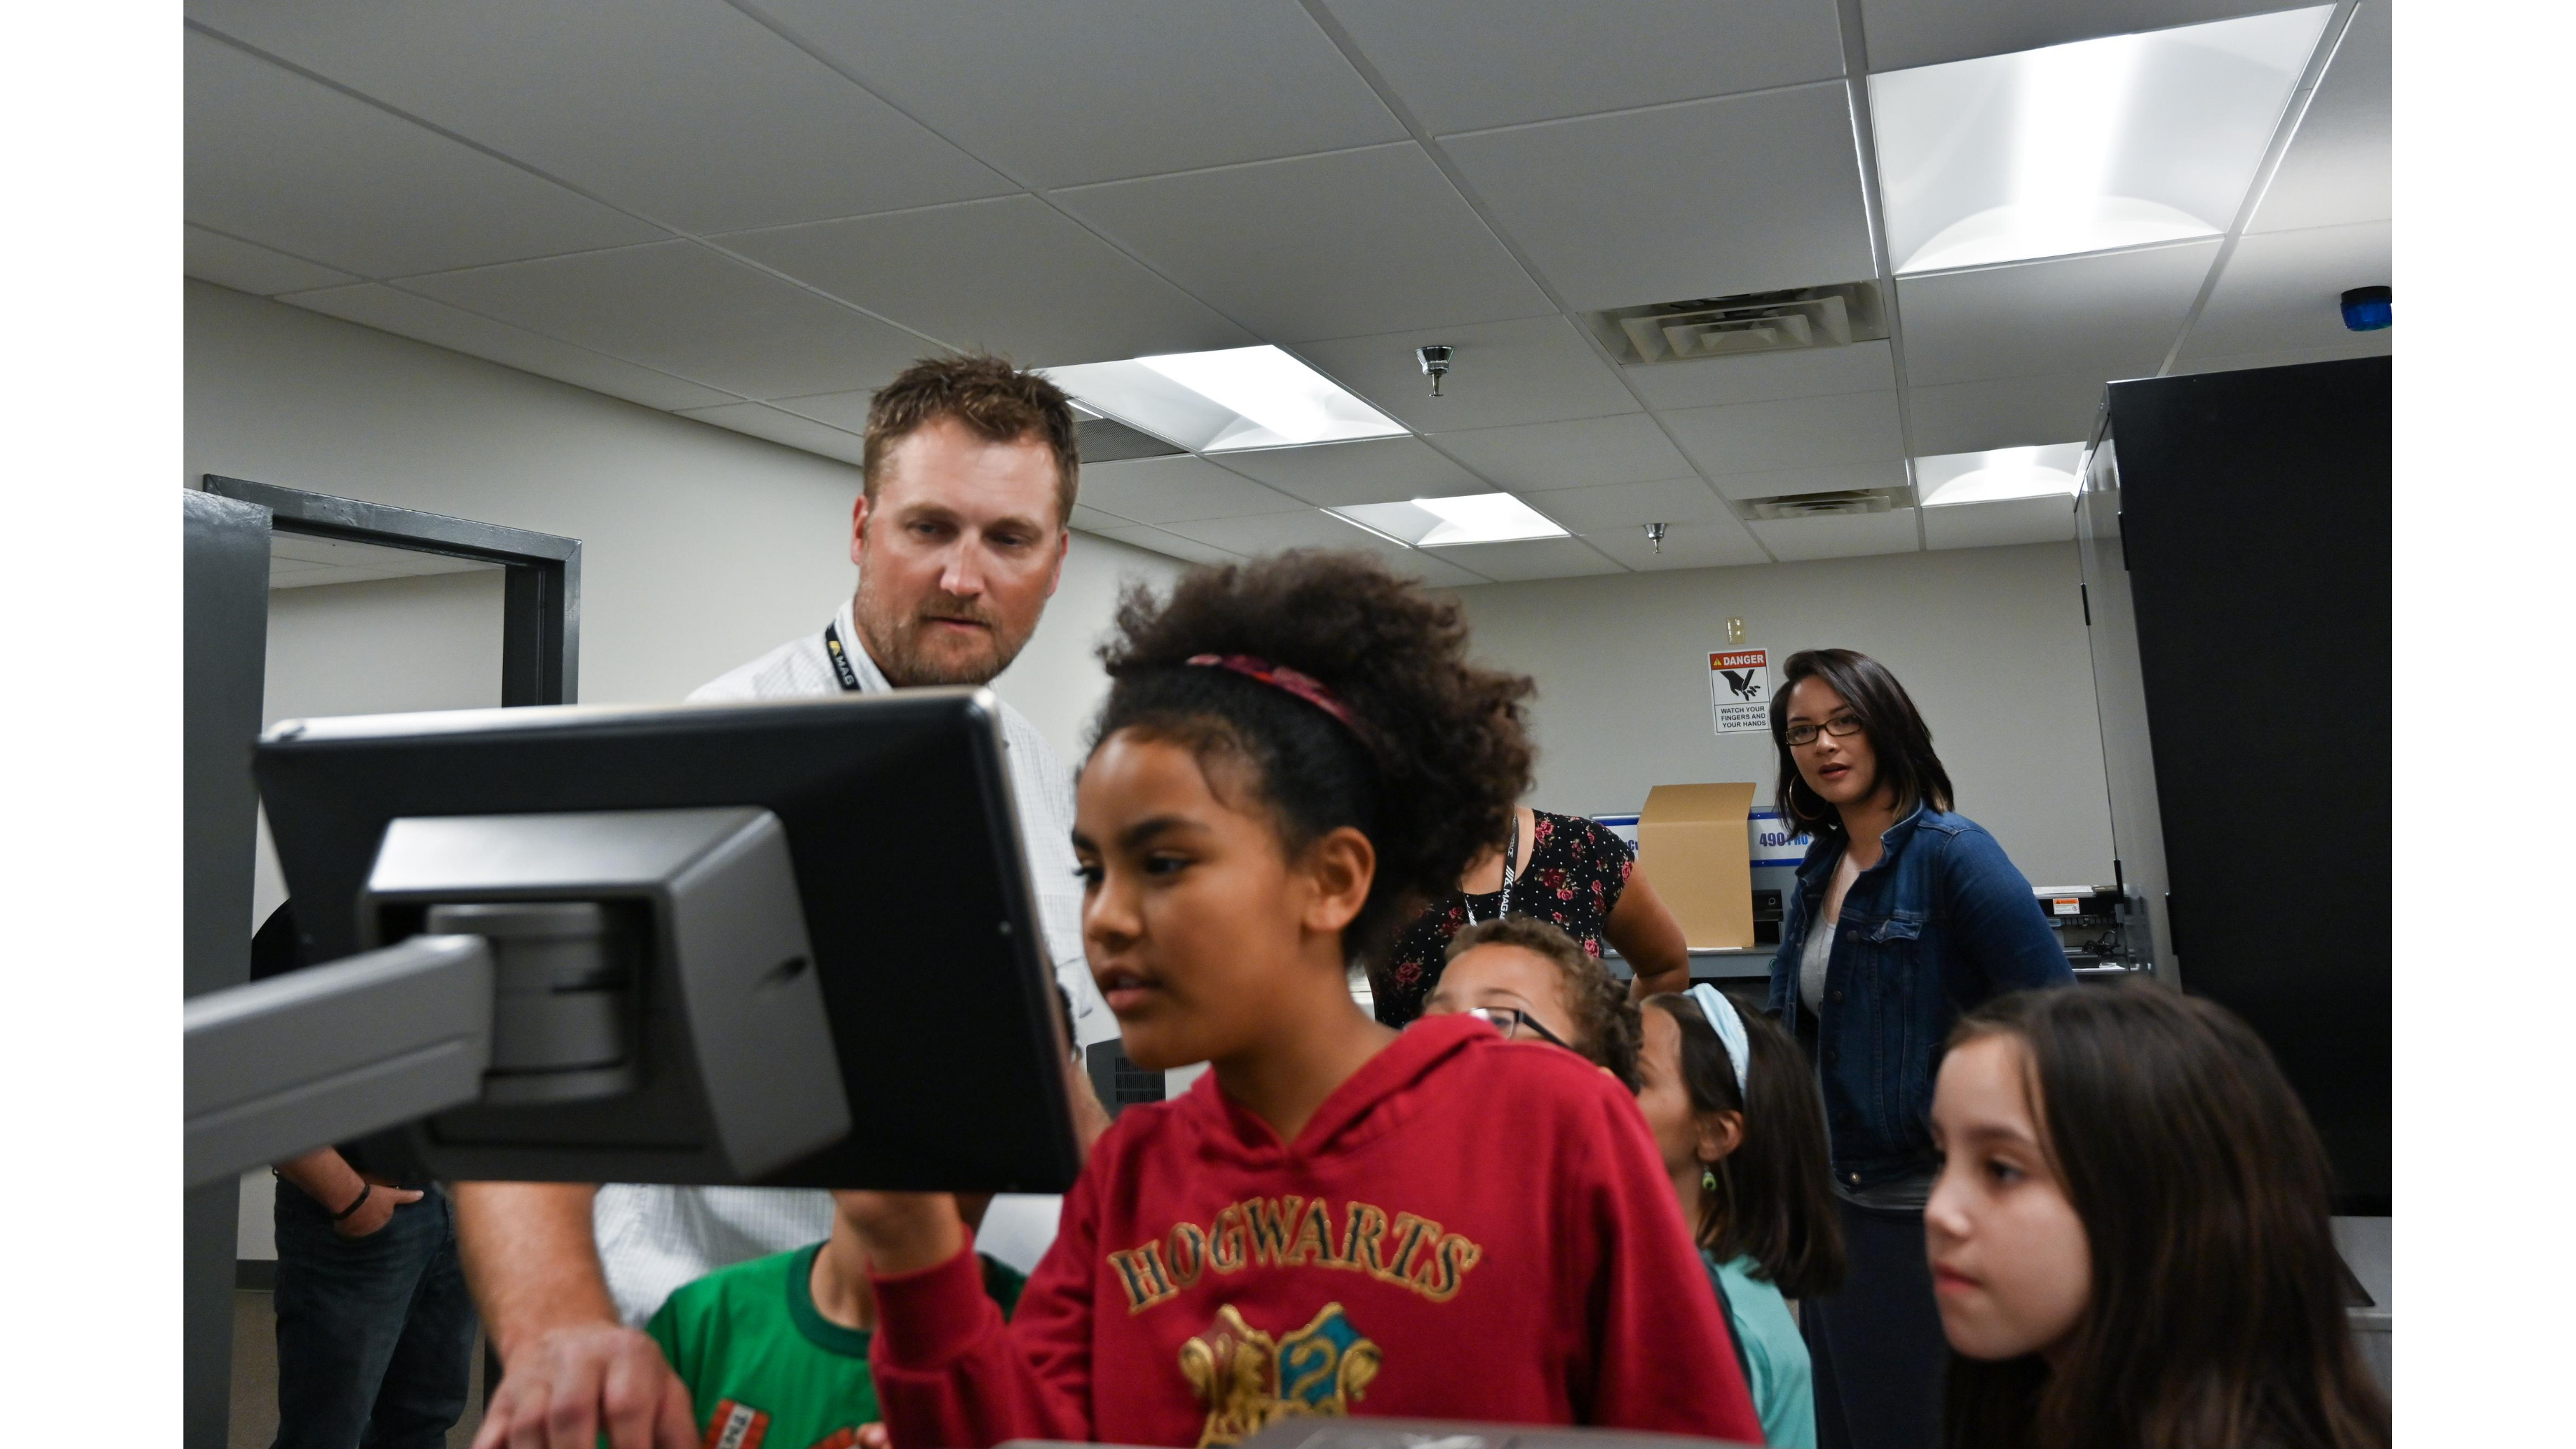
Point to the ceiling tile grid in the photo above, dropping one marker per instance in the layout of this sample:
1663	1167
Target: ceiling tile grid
1466	65
1349	179
1701	199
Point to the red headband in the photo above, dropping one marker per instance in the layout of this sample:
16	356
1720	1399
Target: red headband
1279	676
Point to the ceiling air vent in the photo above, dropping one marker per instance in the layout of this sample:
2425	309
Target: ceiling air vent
1734	326
1836	504
1105	441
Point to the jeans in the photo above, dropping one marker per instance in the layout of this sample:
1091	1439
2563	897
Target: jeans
1876	1342
375	1335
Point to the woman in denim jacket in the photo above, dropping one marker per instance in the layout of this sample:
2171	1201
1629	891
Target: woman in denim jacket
1906	916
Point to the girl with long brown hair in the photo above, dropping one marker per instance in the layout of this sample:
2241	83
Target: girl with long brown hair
2129	1237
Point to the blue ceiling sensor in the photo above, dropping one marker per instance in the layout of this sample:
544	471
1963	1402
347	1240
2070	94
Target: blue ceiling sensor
2365	309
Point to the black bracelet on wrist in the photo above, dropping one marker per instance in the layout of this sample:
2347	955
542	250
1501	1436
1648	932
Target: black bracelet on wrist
365	1191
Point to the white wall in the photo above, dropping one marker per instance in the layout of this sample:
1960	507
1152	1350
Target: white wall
1990	642
700	547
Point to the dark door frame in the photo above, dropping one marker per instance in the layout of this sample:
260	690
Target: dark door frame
541	592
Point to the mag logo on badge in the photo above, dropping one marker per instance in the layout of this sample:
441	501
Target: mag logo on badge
1739	688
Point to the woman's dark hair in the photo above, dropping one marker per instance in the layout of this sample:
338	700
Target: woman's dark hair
1775	1196
2217	1308
1888	719
1440	751
1605	1021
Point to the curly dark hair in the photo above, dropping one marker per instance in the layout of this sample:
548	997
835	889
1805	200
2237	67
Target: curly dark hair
1440	750
1607	1029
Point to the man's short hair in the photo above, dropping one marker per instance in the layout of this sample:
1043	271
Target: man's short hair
1000	403
1606	1025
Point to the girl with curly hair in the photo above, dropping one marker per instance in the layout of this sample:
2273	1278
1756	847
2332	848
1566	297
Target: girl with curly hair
1337	1218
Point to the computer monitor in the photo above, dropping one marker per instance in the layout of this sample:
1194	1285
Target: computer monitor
904	847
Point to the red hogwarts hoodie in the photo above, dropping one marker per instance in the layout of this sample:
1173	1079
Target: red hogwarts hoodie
1469	1228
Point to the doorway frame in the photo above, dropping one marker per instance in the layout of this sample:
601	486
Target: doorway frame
541	589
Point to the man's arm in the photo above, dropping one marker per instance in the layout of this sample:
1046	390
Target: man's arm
569	1369
326	1177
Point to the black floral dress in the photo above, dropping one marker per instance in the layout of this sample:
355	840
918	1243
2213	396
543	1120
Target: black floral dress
1572	880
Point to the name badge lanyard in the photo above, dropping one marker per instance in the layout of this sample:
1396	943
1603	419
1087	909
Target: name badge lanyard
840	657
1511	858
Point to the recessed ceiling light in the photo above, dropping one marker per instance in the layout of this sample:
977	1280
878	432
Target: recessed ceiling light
1225	401
1947	479
1444	522
2123	141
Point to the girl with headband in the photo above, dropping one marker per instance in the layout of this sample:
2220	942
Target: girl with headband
1336	1218
1748	1164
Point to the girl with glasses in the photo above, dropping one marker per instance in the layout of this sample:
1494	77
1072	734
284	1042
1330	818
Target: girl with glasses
1532	982
1905	915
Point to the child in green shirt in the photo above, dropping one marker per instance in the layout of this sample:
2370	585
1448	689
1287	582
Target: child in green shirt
775	1351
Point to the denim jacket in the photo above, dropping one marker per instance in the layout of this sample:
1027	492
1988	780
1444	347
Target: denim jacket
1942	923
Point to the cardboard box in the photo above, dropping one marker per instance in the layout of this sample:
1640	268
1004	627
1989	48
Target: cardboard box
1694	842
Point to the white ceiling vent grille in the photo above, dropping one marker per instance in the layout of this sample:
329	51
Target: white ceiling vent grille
1733	326
1837	504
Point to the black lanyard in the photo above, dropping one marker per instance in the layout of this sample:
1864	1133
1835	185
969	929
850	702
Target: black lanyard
840	657
1511	857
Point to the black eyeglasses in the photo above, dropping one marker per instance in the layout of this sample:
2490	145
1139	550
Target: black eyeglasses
1839	726
1511	1021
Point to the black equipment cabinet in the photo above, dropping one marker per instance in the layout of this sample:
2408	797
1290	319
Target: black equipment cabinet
2235	537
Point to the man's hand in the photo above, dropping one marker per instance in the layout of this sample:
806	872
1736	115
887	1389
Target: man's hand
376	1211
567	1386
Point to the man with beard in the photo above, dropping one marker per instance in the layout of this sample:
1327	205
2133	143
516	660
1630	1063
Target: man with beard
970	470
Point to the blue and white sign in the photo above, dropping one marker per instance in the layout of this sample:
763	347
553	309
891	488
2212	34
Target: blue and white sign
1772	842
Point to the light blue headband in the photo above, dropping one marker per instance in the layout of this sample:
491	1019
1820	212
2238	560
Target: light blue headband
1729	1026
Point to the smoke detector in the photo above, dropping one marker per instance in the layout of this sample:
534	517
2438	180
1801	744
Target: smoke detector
1790	321
1839	503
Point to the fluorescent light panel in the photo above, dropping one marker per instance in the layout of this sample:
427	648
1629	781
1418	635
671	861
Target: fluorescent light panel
1948	479
1446	522
1226	401
2124	141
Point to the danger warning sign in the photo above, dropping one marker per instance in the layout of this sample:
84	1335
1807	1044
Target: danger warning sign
1739	688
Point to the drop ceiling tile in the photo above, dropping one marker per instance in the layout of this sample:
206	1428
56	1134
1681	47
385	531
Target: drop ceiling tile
1175	490
292	164
247	267
2003	412
1992	525
1630	505
1314	528
1087	519
1533	370
1531	558
1171	544
762	421
1811	372
1832	478
1907	33
381	307
1703	199
1698	544
847	411
679	308
1804	432
1353	244
1059	95
2282	290
1851	536
1011	275
1385	470
691	113
1582	453
2337	168
1461	65
2112	315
